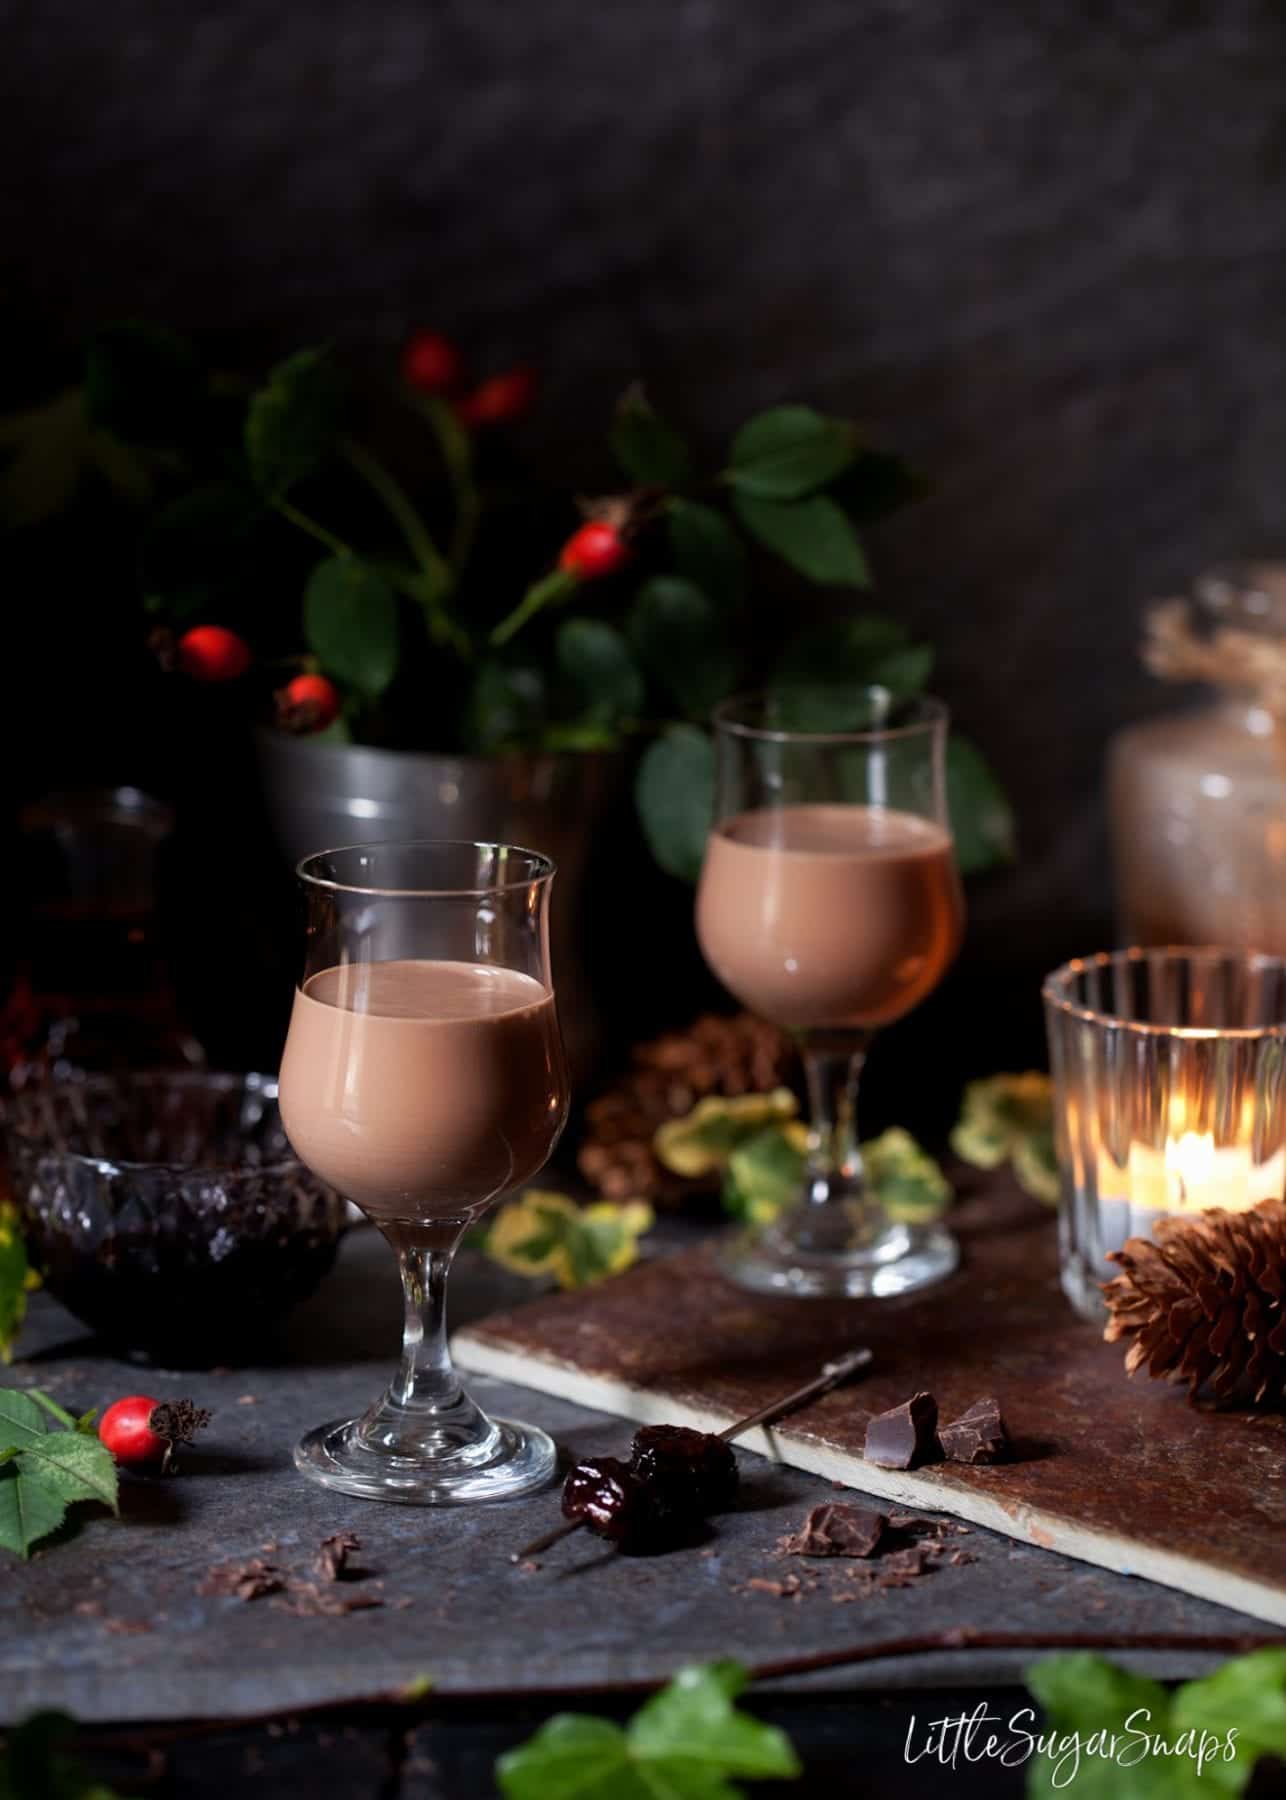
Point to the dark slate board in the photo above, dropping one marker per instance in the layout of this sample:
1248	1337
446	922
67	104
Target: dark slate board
586	1620
1123	1474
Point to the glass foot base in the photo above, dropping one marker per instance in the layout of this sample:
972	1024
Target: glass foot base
902	1259
512	1459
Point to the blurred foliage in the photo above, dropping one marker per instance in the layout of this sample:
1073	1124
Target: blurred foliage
1010	1118
544	1233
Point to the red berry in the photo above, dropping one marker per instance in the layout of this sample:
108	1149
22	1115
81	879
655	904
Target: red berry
308	703
431	363
213	653
141	1433
596	549
499	398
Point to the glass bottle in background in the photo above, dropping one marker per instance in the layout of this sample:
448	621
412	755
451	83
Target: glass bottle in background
1197	799
91	988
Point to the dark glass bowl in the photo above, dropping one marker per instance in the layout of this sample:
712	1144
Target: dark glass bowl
167	1211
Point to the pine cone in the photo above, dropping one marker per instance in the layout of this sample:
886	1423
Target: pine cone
715	1055
1204	1302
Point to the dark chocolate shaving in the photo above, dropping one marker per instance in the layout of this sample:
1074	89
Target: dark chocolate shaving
308	1600
243	1581
905	1436
977	1436
836	1529
331	1560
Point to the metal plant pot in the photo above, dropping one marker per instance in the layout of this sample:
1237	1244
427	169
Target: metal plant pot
318	796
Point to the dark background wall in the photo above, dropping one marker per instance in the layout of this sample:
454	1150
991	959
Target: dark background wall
1040	247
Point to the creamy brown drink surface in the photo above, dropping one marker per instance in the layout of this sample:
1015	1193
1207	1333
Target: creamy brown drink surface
829	915
423	1089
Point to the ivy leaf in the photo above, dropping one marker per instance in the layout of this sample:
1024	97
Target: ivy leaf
598	667
650	451
34	1765
506	708
1086	1694
765	1174
703	1140
982	820
293	420
544	1233
682	639
788	452
814	536
16	1279
674	793
1246	1696
144	384
707	550
50	450
682	1744
909	1183
350	622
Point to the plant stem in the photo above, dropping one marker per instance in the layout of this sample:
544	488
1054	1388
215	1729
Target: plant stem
289	510
438	579
552	587
456	448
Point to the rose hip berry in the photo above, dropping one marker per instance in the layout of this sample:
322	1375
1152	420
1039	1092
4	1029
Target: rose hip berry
308	703
213	653
431	363
499	399
142	1433
597	549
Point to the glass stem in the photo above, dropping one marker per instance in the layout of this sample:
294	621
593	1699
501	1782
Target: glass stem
833	1064
426	1379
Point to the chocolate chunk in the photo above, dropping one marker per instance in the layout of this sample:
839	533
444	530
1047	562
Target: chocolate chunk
331	1561
977	1436
244	1581
834	1529
905	1436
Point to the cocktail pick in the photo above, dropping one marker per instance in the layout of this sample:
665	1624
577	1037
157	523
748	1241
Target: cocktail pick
832	1374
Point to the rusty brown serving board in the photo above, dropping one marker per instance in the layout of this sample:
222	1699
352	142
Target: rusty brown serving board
1124	1474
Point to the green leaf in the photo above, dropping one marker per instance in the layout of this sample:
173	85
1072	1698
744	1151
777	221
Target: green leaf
1086	1694
683	640
814	536
72	1465
650	451
1247	1696
144	384
982	820
682	1744
788	452
605	683
701	1141
506	707
350	622
819	680
49	451
907	1181
15	1278
764	1175
22	1421
674	793
293	420
707	550
29	1508
196	548
35	1766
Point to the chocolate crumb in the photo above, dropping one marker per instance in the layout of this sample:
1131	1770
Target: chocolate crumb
977	1436
127	1627
836	1529
307	1600
331	1560
243	1581
905	1436
247	1399
530	1567
788	1588
89	1609
958	1558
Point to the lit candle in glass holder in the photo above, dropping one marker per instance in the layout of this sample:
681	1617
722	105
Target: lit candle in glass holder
1169	1095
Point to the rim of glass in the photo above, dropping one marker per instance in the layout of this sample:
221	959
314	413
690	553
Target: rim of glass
99	1081
1052	988
929	713
541	868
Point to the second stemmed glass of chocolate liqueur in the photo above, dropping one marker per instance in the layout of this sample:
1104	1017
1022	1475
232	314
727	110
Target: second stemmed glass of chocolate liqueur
423	1077
829	903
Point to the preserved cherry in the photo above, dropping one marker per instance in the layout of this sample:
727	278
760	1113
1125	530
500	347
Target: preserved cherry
607	1496
694	1471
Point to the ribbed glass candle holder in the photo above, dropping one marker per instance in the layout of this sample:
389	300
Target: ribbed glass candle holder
1168	1095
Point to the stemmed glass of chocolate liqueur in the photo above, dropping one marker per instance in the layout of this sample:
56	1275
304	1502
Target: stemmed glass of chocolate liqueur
829	903
423	1076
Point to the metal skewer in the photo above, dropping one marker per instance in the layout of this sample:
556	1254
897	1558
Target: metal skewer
831	1376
